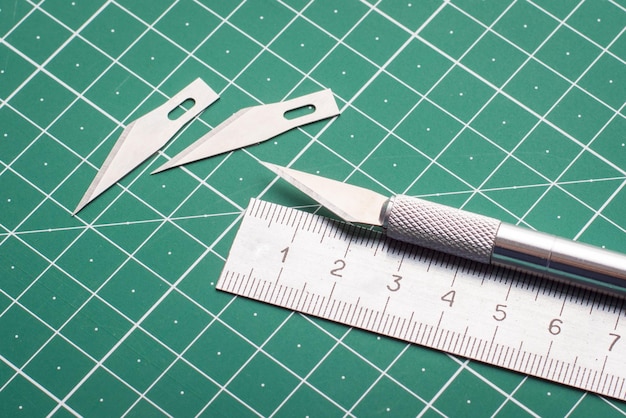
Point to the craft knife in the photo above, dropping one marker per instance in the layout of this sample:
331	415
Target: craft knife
466	234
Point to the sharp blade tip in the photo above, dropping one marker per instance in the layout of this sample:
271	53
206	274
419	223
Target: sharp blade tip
267	165
166	166
80	206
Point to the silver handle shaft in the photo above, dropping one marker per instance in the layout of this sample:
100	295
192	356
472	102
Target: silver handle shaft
488	240
559	258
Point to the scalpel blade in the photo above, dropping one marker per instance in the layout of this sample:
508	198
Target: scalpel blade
145	136
256	124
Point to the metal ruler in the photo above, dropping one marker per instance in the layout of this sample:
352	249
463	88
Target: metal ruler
360	278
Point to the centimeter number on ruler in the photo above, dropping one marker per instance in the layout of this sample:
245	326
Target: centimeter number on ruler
360	278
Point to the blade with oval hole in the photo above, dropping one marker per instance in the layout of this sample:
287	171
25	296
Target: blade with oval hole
256	124
144	136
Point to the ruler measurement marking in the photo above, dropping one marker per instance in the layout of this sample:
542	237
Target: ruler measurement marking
414	332
294	292
603	366
346	301
270	218
256	289
282	293
547	356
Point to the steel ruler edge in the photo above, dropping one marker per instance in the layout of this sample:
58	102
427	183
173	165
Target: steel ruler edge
360	278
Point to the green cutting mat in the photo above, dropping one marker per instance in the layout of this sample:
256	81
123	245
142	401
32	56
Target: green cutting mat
512	109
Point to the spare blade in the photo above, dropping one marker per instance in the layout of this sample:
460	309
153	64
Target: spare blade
146	135
256	124
351	203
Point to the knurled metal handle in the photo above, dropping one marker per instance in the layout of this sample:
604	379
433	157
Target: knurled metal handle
442	228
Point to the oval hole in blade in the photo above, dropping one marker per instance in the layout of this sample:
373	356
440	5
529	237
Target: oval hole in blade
299	112
180	110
